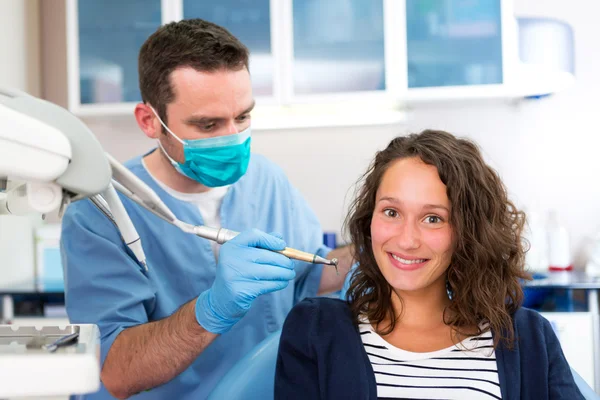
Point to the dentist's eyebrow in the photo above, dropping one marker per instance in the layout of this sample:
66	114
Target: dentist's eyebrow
247	110
199	120
205	120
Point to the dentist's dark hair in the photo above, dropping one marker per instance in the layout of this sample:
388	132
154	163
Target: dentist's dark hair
488	259
194	43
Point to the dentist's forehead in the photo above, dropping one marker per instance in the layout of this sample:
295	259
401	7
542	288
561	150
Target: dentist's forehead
217	94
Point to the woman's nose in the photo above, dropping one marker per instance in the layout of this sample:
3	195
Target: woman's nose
409	237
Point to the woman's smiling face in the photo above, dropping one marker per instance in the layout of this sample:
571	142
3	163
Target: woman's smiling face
411	234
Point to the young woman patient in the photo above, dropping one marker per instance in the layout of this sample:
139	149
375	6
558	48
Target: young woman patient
433	308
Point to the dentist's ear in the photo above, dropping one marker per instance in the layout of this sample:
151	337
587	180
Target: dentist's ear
147	121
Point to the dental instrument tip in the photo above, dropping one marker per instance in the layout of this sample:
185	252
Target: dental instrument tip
321	260
334	262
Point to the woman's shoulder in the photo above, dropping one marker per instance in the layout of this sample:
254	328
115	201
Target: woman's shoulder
532	328
527	317
320	313
322	327
320	307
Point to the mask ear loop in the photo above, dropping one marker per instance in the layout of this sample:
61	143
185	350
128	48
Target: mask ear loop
165	126
173	162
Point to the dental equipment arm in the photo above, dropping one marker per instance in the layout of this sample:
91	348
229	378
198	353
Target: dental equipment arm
49	158
141	194
147	199
219	235
44	147
131	186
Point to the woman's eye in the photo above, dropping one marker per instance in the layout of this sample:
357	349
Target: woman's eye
433	219
390	213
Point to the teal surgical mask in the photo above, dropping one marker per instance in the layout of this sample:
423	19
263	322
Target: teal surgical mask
213	162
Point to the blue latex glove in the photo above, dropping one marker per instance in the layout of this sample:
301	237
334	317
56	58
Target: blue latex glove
246	270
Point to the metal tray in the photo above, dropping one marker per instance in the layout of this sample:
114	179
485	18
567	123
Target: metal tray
73	368
30	339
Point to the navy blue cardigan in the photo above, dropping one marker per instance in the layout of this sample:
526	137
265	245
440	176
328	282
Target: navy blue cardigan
321	356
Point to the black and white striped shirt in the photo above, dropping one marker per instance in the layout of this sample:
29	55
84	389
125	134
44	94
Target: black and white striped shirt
464	371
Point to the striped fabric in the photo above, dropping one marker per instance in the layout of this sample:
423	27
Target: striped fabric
464	371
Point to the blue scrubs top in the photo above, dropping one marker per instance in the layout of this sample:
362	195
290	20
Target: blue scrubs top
104	285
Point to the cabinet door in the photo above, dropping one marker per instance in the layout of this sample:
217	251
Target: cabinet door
250	22
111	33
453	42
338	46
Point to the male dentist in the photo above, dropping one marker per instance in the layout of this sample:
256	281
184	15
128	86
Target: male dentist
174	330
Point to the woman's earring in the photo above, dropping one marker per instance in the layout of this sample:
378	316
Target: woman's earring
449	290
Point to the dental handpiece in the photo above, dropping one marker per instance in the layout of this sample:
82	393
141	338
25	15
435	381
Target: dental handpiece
222	235
147	199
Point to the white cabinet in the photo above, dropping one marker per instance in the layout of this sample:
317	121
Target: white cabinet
449	44
338	47
109	35
456	51
316	52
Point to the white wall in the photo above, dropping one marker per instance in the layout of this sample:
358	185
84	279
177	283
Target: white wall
547	151
19	45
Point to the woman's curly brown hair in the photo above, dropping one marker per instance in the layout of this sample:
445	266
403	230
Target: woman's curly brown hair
488	260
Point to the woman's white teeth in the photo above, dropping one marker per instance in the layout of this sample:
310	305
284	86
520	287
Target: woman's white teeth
403	261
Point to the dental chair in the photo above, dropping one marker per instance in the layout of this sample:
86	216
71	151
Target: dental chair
252	378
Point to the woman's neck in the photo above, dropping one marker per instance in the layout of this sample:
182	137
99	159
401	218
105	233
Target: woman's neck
420	323
420	309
